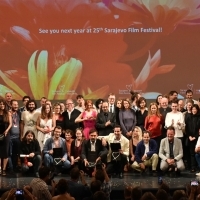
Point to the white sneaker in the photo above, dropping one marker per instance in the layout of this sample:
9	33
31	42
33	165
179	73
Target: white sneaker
198	174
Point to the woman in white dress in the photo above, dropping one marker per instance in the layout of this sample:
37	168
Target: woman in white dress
45	125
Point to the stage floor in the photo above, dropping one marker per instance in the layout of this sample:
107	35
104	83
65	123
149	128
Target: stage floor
147	182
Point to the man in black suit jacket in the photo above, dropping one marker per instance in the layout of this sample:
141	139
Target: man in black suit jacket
111	103
93	150
164	109
105	121
70	115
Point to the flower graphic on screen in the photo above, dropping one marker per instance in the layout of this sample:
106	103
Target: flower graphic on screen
157	14
62	84
167	14
43	55
64	79
151	68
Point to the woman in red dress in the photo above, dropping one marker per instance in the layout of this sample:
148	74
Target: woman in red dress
153	123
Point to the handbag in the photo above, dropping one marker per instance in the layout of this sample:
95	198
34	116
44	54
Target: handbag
2	136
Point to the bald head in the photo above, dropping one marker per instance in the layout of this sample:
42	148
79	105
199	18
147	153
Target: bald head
180	105
8	97
164	102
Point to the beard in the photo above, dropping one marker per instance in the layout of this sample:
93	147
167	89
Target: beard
15	109
31	110
29	140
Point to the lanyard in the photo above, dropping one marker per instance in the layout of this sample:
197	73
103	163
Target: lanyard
14	118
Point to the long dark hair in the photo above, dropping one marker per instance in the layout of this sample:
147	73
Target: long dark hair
27	132
5	112
197	107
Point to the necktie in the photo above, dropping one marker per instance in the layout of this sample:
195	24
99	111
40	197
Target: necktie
111	110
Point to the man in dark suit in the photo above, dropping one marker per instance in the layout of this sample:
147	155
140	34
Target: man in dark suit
164	109
70	115
111	103
105	121
93	151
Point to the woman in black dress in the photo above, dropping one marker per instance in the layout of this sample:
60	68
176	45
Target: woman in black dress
142	112
76	148
58	117
192	128
5	125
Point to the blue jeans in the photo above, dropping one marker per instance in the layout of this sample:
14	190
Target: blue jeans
48	162
197	156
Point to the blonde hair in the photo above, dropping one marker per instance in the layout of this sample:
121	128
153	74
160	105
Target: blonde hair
139	132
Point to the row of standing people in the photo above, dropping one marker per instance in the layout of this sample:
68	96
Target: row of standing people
42	123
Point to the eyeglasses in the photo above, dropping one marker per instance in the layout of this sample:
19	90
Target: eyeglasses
69	103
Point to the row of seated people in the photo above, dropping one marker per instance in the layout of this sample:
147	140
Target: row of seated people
98	189
112	150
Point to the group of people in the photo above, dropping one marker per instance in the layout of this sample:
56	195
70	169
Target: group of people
121	134
98	189
75	187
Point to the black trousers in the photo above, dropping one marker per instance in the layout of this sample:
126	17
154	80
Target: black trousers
14	151
117	166
36	161
192	161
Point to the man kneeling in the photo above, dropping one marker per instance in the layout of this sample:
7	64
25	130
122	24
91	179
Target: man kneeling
30	153
171	152
146	154
55	152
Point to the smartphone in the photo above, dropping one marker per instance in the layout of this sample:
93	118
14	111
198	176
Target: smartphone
19	194
194	183
160	180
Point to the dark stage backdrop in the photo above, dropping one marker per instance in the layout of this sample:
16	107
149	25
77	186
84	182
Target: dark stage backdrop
61	48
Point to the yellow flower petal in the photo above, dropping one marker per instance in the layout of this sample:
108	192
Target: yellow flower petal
11	84
65	80
42	74
32	76
100	93
4	90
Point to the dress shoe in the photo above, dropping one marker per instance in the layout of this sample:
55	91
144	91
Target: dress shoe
154	173
121	175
